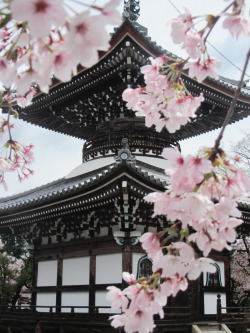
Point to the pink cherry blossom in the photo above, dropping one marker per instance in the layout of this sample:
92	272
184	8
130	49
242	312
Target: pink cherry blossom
132	97
151	72
41	15
227	230
7	72
194	45
201	70
111	13
129	278
178	31
86	36
63	66
24	101
236	184
180	26
172	286
117	298
237	25
201	265
5	165
135	320
151	243
161	202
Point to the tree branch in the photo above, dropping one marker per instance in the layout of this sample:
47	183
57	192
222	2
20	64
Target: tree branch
230	111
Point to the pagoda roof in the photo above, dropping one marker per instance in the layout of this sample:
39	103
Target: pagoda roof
34	204
92	99
87	192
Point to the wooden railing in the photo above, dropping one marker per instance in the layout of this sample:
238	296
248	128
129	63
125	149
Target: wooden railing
176	319
233	316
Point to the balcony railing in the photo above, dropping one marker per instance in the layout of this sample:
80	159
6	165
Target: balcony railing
234	317
90	318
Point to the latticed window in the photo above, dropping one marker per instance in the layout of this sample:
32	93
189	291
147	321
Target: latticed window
214	279
144	267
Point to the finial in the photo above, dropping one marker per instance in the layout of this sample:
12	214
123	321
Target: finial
131	10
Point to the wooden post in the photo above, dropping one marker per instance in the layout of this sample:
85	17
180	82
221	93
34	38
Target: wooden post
219	308
127	259
34	283
92	274
59	285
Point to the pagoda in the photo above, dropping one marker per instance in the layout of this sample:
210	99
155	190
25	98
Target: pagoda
84	228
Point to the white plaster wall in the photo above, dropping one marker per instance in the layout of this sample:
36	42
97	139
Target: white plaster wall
135	259
221	264
76	298
45	299
109	268
90	166
105	161
156	161
100	300
75	271
210	302
47	273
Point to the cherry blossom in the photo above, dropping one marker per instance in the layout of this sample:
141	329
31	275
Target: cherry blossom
5	165
23	101
42	39
162	103
201	70
194	45
237	25
41	15
135	320
199	266
240	270
150	243
111	13
117	298
129	278
86	37
6	72
180	26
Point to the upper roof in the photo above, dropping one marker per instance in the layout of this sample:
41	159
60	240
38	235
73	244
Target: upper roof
90	106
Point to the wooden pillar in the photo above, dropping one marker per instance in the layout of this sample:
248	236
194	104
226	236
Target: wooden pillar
92	274
127	259
59	284
202	297
219	308
227	275
34	283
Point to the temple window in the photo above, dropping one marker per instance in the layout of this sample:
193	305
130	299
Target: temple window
214	279
144	267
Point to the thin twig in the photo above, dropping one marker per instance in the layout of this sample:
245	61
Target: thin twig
230	111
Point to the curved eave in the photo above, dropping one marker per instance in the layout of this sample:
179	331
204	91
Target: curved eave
82	196
40	112
110	65
127	29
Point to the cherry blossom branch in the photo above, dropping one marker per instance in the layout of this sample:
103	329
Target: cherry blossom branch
32	53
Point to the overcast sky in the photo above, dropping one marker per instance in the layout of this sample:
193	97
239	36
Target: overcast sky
56	154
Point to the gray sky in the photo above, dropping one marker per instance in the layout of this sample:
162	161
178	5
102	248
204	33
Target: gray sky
56	154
